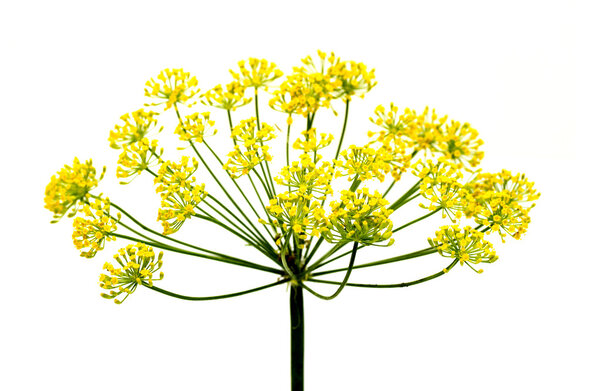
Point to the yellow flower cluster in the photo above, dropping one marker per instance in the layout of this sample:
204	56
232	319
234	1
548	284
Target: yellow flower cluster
69	187
307	88
249	149
310	143
179	193
91	232
502	202
358	217
354	78
440	185
229	98
137	157
258	74
305	177
461	143
173	86
300	213
427	131
466	244
363	163
134	128
194	127
136	265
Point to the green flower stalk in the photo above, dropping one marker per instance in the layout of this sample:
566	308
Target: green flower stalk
296	218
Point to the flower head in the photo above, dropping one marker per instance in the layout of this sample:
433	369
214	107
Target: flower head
441	187
91	232
305	177
460	143
179	193
135	265
135	127
502	202
299	212
354	78
138	157
70	187
194	127
465	244
173	86
363	163
257	73
307	88
249	149
358	217
229	98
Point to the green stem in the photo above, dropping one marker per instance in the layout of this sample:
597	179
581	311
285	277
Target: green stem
388	189
223	258
404	257
343	129
159	234
206	298
400	285
343	284
240	191
416	220
401	201
297	337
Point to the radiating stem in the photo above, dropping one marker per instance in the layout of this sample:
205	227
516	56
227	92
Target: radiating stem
205	298
343	129
400	285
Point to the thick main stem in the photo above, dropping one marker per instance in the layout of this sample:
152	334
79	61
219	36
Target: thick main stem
297	337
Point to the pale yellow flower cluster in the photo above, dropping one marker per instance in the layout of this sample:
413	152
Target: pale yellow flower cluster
136	265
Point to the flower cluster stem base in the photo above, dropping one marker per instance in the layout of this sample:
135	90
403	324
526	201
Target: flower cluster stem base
297	337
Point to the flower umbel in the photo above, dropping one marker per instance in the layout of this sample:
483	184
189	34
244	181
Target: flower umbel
249	149
179	193
258	74
92	231
136	265
465	244
138	157
194	127
173	86
69	188
358	217
135	127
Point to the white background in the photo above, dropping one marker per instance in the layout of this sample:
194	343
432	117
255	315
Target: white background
522	73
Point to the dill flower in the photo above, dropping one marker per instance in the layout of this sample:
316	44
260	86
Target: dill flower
138	157
502	202
460	143
441	187
258	74
358	217
136	265
305	177
363	163
136	125
354	78
69	187
179	193
393	124
307	88
229	98
298	212
194	126
249	149
92	231
173	86
466	244
310	143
